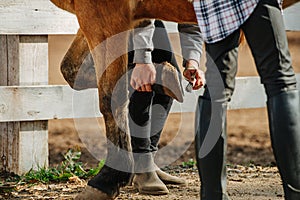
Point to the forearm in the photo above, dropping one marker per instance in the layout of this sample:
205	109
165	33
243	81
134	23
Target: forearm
191	46
142	42
191	43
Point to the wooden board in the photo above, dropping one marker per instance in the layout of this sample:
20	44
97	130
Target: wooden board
291	16
35	17
33	135
9	131
23	145
28	103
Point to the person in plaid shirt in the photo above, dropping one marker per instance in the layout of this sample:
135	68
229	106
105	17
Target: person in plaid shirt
221	23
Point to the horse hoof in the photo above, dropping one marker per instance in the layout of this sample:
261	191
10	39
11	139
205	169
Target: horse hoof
90	193
168	81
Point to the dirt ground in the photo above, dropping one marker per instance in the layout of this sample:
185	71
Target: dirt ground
244	183
251	173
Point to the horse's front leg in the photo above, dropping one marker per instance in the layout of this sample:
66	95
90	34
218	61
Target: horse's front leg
113	99
103	27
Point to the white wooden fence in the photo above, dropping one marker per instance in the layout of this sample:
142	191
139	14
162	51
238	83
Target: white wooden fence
26	99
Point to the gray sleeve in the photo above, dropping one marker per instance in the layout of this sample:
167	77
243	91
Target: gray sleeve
191	41
142	42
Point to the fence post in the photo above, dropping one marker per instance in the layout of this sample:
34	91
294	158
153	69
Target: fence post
23	61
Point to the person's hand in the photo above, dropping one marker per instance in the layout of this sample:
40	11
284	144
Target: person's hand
143	76
194	75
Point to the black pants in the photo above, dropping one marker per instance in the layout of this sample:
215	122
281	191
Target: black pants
148	110
266	36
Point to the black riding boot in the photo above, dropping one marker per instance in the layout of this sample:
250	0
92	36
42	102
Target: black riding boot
211	145
284	120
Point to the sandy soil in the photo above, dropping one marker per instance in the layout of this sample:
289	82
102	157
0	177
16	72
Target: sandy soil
244	183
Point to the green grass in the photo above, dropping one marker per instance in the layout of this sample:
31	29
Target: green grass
70	167
189	164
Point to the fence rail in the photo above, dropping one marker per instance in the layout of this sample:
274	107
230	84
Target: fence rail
26	99
27	103
35	17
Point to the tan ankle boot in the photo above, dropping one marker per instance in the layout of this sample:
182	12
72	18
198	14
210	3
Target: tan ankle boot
90	193
169	179
149	183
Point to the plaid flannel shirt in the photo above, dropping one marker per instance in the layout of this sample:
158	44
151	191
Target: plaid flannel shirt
219	18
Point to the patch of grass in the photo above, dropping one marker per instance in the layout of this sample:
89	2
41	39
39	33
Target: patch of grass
70	167
189	164
42	175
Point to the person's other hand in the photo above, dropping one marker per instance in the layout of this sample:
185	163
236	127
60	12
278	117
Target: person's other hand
194	75
143	76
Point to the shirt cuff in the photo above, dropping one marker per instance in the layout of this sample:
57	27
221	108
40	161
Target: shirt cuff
142	56
191	55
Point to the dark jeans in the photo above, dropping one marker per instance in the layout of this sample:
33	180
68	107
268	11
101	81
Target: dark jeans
266	36
148	110
148	113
